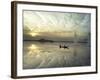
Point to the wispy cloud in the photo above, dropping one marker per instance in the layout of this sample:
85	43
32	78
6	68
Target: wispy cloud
39	21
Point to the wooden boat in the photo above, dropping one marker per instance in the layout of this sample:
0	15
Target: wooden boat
67	47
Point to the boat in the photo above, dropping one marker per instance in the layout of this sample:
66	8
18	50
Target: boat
64	46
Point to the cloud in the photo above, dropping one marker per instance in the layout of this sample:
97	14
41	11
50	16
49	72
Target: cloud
47	24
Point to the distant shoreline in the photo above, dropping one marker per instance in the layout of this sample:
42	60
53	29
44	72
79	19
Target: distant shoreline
43	40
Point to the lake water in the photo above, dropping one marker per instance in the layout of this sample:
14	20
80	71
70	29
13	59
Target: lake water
49	55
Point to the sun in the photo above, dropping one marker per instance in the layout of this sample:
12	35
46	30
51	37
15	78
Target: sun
33	34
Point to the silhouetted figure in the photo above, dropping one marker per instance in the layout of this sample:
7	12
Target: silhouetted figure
59	46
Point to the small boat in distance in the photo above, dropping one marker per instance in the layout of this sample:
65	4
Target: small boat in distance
67	47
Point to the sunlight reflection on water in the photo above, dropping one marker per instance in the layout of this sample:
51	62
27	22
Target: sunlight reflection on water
49	55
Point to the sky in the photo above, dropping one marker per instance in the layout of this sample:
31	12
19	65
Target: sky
56	24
